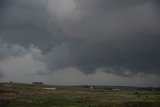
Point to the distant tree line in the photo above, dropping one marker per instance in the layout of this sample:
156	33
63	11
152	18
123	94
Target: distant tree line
149	89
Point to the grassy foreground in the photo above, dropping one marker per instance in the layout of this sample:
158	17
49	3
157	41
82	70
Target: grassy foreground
27	95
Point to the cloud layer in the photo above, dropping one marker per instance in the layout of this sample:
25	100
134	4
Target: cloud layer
110	33
119	37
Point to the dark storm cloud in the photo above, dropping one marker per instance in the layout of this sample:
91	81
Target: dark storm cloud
123	35
2	3
24	23
1	74
119	36
8	50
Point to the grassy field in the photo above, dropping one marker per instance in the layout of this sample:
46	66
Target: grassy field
27	95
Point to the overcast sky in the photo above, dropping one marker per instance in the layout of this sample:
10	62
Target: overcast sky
74	42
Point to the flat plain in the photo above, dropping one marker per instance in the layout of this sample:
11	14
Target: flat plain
32	95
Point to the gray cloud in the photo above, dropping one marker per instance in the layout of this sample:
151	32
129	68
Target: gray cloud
122	37
8	50
1	74
24	23
110	34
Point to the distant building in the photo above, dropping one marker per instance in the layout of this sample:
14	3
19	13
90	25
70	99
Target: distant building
50	88
115	90
92	88
37	83
7	85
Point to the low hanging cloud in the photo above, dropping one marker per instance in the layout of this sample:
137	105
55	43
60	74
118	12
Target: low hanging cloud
20	68
119	37
8	50
1	74
110	33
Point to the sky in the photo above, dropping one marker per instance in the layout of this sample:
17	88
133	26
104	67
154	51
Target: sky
79	42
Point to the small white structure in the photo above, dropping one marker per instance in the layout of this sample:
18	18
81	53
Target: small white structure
50	88
116	90
92	88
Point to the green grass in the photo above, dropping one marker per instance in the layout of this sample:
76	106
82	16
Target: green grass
35	96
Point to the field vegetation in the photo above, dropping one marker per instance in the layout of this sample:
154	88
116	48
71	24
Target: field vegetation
28	95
